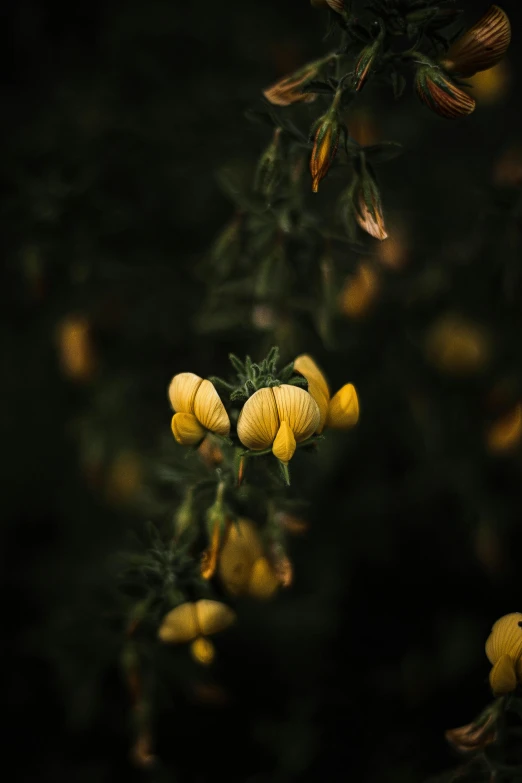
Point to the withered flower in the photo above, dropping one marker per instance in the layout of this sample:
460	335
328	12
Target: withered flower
476	735
482	46
440	94
287	90
368	208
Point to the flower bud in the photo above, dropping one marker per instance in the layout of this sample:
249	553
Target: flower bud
343	410
368	207
268	171
457	346
482	46
364	63
76	351
359	292
440	94
287	90
186	429
326	141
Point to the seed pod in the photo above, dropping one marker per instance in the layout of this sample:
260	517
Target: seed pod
343	410
263	583
284	443
482	46
298	409
209	409
180	624
186	429
182	391
203	651
213	616
258	421
441	95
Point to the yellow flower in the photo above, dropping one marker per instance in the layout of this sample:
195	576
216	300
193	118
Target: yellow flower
482	46
243	569
278	417
191	622
341	412
504	652
77	357
198	409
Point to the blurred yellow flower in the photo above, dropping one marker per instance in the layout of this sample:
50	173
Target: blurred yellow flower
504	652
506	433
125	477
198	409
342	410
75	348
243	569
192	621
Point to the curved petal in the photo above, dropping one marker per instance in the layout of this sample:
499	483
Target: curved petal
209	409
305	365
297	407
182	391
284	444
258	421
186	429
179	625
343	410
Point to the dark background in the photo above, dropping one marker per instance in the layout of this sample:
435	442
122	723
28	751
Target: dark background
115	118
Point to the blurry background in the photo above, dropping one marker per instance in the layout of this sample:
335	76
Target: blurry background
115	118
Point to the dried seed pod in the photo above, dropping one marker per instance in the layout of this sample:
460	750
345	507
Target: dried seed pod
180	624
482	46
263	582
209	409
298	409
284	443
258	421
441	95
213	616
343	410
182	391
186	429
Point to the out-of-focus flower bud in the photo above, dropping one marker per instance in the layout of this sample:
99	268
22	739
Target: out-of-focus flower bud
506	433
475	736
440	94
75	348
368	207
191	622
365	61
125	478
457	346
268	171
263	582
482	46
203	651
360	292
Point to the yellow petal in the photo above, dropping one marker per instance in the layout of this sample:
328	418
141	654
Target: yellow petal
241	549
482	46
305	365
506	432
213	616
322	403
182	391
458	346
258	421
502	677
179	625
186	429
343	410
505	638
203	651
209	409
263	580
299	409
284	444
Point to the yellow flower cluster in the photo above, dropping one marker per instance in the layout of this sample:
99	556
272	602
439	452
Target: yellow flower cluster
276	418
243	568
504	651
